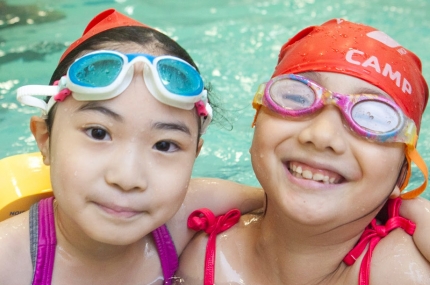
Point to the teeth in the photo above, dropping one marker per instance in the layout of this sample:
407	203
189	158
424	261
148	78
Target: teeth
325	180
298	172
307	174
318	177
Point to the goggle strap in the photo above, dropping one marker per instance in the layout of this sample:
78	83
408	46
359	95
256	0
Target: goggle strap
412	155
205	121
257	107
62	95
201	108
25	95
200	105
256	103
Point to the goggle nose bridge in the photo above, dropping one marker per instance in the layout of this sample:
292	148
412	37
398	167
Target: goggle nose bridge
138	58
147	63
129	72
336	99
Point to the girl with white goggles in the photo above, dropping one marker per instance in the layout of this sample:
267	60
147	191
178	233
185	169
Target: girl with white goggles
102	75
368	115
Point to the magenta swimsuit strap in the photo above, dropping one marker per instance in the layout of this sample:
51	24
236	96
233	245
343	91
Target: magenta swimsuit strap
373	234
167	252
46	242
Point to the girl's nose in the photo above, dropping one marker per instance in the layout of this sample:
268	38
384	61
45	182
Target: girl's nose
325	131
127	171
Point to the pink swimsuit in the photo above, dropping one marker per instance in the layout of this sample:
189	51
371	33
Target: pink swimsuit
43	242
204	219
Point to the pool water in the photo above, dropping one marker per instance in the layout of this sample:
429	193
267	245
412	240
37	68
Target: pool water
235	44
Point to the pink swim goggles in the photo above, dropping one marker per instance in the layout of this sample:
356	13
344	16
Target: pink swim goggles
370	116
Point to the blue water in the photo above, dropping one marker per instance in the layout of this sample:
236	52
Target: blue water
235	44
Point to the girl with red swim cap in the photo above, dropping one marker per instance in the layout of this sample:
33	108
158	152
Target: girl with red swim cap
121	144
335	137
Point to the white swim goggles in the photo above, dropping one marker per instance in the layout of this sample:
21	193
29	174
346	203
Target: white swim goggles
105	74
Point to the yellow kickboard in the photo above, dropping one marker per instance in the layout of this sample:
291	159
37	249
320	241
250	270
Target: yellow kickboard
24	180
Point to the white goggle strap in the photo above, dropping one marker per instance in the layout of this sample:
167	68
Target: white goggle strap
26	95
205	121
204	110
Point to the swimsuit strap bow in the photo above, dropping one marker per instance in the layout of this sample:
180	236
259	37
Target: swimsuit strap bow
373	234
204	219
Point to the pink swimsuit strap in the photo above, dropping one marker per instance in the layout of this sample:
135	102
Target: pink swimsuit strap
167	252
373	234
47	242
204	219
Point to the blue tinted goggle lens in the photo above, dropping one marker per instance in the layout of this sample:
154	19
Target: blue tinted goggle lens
102	69
98	70
179	78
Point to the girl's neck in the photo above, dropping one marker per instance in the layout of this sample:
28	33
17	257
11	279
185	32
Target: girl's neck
80	256
304	254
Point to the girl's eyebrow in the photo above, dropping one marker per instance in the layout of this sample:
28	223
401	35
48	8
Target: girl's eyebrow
96	106
179	126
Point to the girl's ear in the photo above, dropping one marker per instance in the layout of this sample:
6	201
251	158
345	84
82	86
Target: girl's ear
40	132
199	146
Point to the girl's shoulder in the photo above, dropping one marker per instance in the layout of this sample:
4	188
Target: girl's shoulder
192	261
219	197
15	235
244	231
15	260
397	260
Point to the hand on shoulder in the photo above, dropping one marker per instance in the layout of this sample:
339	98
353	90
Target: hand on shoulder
217	195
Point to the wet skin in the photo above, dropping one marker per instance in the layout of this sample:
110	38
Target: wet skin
310	225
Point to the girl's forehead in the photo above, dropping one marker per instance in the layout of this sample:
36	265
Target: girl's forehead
126	48
134	114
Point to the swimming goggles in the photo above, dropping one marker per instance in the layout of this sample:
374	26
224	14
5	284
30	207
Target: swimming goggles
104	74
371	116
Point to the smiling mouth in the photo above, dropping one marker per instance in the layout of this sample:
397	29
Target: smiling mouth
305	172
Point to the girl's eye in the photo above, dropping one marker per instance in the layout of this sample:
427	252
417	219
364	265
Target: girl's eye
166	146
97	134
295	100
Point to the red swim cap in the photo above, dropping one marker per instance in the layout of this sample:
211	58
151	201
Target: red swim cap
106	20
363	52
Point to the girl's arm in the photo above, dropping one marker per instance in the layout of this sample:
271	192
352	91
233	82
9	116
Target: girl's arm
418	211
222	195
217	195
